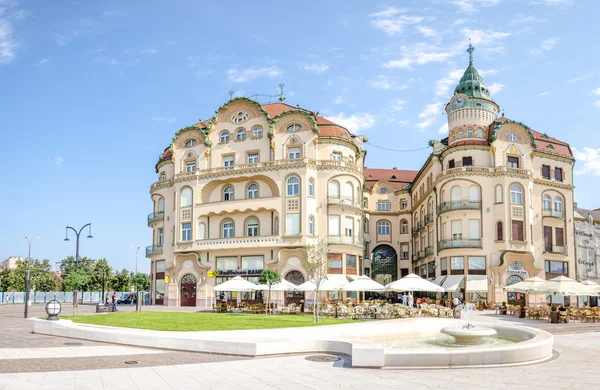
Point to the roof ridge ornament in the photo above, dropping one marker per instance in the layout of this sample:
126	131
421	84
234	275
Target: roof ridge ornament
470	50
281	97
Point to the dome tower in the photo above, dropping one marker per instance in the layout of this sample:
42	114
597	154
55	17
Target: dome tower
471	110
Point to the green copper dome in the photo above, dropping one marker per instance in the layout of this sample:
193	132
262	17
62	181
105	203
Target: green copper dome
471	83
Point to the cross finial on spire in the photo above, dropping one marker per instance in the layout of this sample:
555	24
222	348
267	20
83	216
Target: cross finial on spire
470	50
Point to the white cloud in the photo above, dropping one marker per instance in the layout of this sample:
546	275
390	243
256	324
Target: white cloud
8	45
317	68
403	123
244	75
42	62
471	6
597	91
591	161
553	2
483	37
58	161
149	51
429	115
389	22
426	31
443	129
163	119
340	98
579	78
522	19
495	88
443	85
545	45
542	94
488	72
61	40
381	81
398	105
354	122
420	54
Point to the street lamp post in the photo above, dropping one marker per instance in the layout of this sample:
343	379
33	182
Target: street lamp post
28	277
136	257
77	233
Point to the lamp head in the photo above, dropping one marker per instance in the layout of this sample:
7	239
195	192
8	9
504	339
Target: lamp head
90	236
66	239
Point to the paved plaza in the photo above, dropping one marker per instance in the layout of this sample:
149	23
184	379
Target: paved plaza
102	366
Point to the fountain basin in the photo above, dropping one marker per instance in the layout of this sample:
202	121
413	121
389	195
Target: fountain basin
469	336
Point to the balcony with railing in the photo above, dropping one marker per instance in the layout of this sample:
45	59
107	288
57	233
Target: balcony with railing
462	243
344	240
560	214
428	251
154	250
345	201
459	205
415	258
421	225
428	218
421	254
555	249
157	216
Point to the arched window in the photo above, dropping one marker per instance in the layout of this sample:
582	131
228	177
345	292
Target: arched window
383	205
558	207
383	227
546	202
257	132
252	227
240	135
473	194
293	128
201	231
293	186
404	226
311	225
228	193
499	197
334	189
252	191
161	205
224	136
460	134
227	231
349	190
455	193
311	187
470	132
190	143
479	133
516	194
186	197
499	231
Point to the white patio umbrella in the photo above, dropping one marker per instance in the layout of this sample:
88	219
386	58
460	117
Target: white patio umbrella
525	286
363	283
325	285
236	284
283	285
562	285
412	282
592	284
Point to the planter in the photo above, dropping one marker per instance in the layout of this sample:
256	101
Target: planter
554	317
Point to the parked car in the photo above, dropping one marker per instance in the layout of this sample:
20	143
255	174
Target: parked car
125	299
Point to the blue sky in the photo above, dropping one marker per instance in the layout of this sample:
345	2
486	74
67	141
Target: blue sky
92	92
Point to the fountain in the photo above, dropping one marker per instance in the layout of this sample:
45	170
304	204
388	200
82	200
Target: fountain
468	334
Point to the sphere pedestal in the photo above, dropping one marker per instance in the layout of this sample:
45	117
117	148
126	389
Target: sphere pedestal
470	336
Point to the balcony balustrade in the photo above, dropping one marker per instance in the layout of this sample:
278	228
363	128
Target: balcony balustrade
555	249
462	243
428	251
459	205
344	240
344	201
158	216
421	254
154	250
560	214
428	218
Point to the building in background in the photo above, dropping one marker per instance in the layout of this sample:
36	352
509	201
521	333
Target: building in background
256	184
11	262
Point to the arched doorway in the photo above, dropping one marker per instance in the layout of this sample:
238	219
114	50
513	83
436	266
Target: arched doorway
188	290
384	264
297	278
515	298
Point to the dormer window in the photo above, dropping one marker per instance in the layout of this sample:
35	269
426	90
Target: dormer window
190	142
239	117
294	128
513	137
336	156
190	166
383	190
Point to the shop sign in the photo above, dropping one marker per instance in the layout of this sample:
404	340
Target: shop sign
516	272
236	272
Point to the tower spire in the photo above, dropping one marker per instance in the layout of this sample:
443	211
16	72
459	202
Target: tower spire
470	50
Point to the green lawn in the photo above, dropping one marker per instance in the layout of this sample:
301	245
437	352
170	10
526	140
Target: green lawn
202	321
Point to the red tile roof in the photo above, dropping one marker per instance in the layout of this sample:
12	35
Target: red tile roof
545	143
397	177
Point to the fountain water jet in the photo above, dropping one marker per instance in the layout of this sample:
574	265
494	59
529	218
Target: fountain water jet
469	333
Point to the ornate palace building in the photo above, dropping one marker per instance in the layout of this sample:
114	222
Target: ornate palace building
253	186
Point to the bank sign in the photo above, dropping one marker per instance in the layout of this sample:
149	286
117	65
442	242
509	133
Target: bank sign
587	237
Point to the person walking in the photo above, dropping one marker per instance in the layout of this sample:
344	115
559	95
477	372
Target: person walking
107	299
131	298
114	301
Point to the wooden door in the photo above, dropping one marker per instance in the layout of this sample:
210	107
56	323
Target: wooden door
188	290
296	278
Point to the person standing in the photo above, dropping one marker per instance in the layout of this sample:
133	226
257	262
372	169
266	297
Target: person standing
131	298
410	300
114	301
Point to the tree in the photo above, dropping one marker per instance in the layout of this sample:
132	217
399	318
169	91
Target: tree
86	266
140	281
269	277
5	279
315	264
100	275
75	281
121	281
42	277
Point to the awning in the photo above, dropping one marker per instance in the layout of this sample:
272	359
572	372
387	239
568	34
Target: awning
437	280
452	283
477	283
